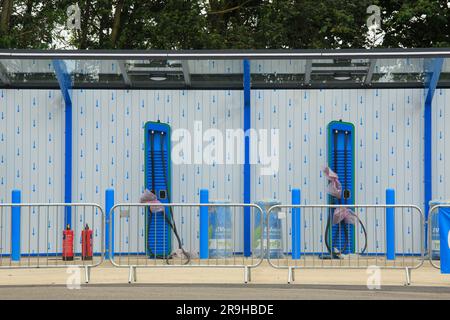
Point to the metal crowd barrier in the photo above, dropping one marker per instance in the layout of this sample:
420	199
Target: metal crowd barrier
434	245
31	235
134	245
300	243
390	244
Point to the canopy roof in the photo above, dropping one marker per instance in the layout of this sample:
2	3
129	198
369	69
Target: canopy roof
270	69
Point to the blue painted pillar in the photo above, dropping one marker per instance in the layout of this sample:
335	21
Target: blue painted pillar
65	84
296	225
444	236
109	223
15	226
428	183
204	225
435	68
68	163
390	225
247	183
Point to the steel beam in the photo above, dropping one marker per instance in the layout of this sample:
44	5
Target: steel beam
370	71
123	70
186	73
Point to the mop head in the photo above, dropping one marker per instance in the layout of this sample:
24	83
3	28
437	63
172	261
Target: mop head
344	214
150	197
334	185
181	254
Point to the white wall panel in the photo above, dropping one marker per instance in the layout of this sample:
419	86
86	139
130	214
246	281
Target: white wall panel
441	145
31	160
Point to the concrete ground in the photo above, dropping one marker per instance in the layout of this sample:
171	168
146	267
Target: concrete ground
223	292
108	282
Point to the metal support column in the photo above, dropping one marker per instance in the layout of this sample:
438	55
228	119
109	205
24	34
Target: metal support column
247	183
431	84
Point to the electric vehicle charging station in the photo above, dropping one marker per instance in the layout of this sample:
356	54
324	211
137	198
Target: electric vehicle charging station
341	145
160	226
340	237
105	157
157	180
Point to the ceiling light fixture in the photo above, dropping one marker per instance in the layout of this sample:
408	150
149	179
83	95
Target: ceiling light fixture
158	77
342	76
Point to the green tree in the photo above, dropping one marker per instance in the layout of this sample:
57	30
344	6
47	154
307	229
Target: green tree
222	24
30	23
416	24
312	24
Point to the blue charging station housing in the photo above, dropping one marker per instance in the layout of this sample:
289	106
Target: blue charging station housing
341	159
158	173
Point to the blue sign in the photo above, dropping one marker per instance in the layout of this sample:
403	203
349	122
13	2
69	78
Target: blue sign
444	230
220	232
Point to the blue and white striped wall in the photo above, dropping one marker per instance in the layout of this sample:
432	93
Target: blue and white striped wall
108	144
441	145
31	159
389	150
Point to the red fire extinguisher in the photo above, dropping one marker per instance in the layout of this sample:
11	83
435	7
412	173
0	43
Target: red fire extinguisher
67	254
86	243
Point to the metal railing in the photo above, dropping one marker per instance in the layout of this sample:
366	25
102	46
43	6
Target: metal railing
434	245
381	236
287	236
31	235
143	239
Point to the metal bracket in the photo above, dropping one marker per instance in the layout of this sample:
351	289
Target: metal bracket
408	276
132	275
291	275
247	274
87	273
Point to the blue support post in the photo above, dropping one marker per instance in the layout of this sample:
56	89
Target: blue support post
247	182
109	221
435	67
204	225
390	225
444	236
15	227
68	163
65	84
296	225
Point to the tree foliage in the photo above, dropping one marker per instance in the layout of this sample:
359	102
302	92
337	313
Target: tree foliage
222	24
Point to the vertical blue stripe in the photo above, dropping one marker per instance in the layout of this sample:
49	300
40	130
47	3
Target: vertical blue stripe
15	227
204	239
109	221
247	183
65	84
431	83
428	164
296	225
390	225
68	163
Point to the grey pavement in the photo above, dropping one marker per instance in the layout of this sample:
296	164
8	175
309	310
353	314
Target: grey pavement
222	292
